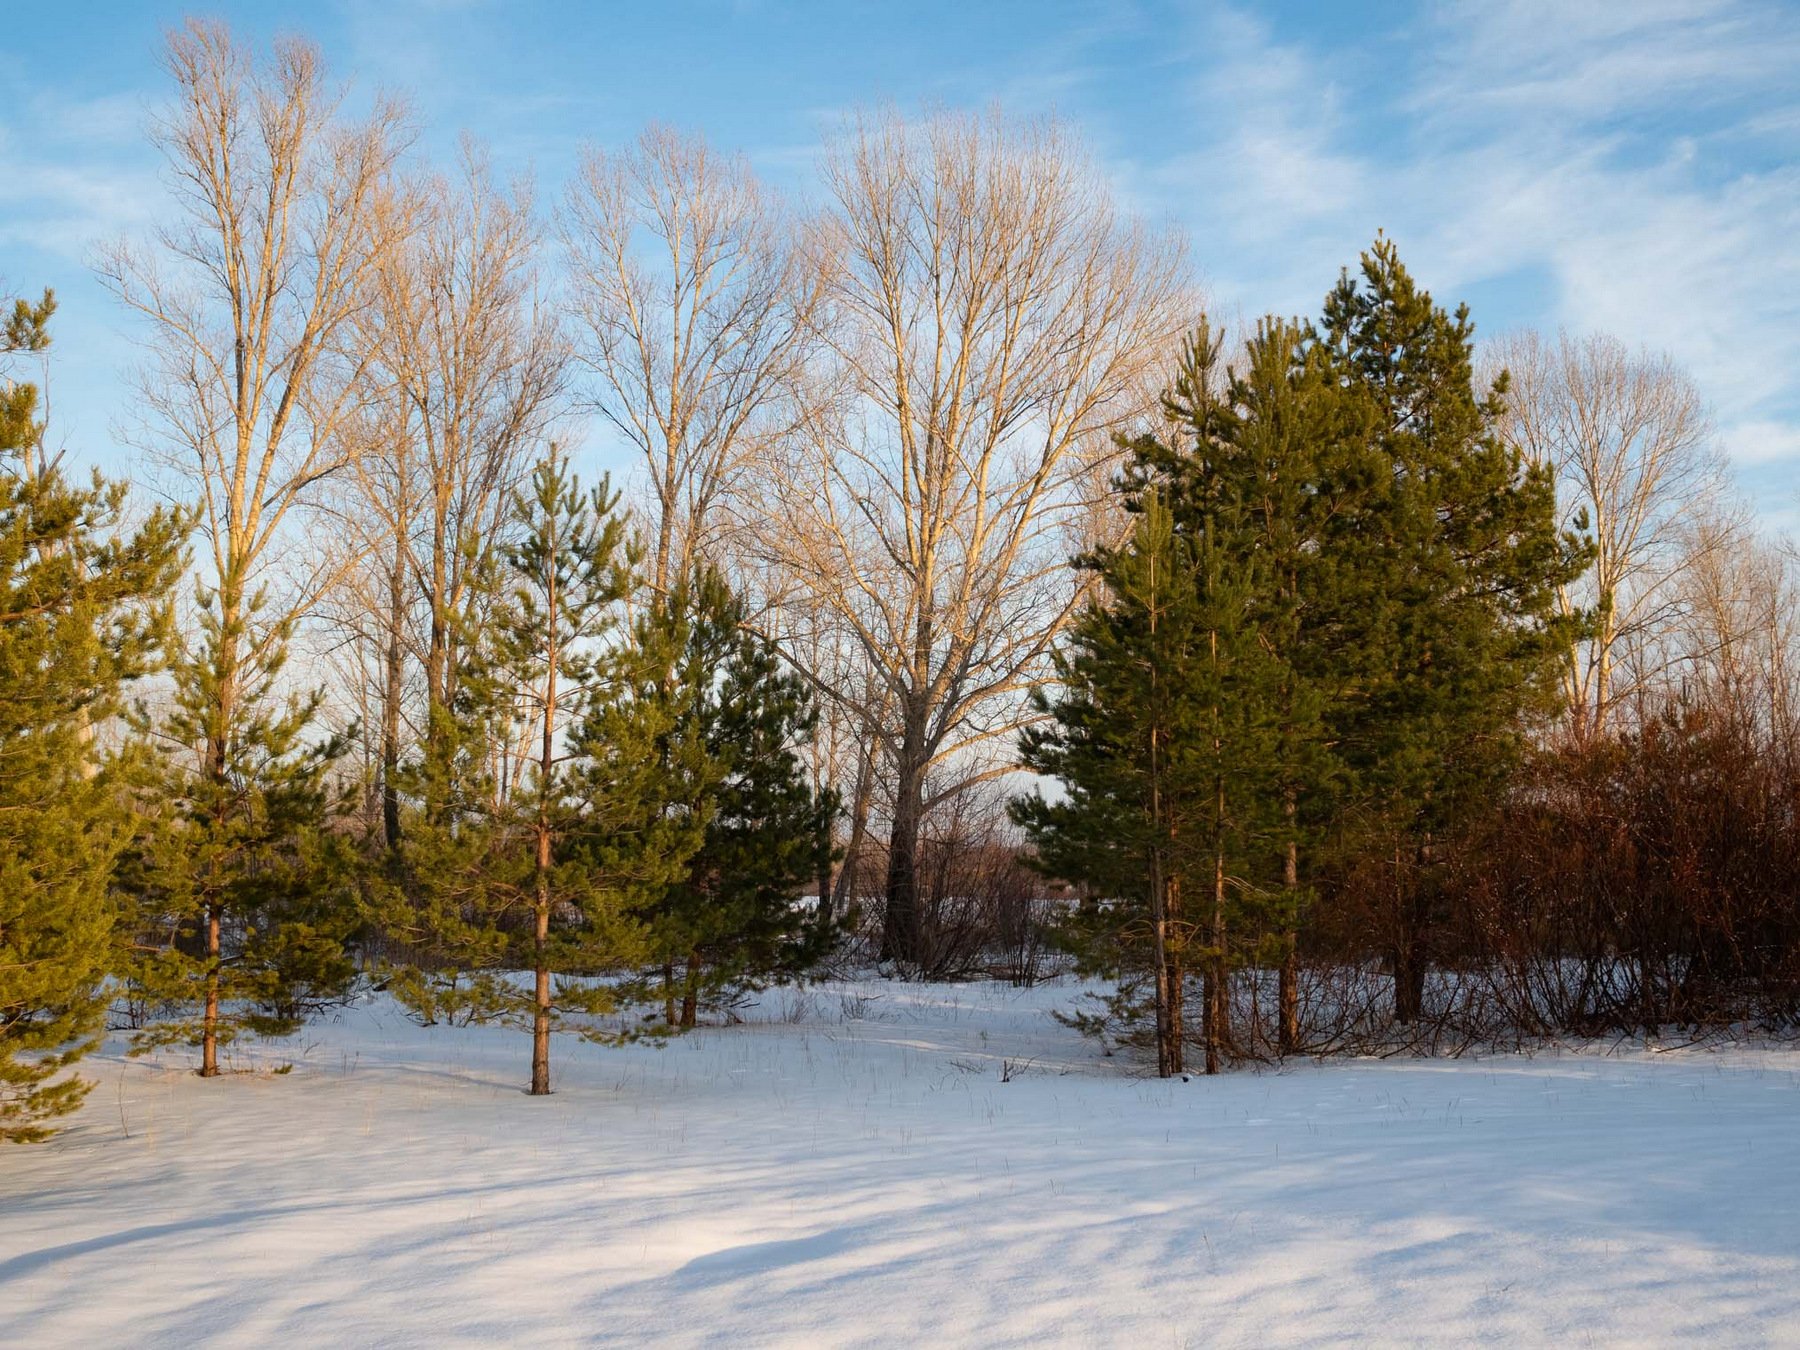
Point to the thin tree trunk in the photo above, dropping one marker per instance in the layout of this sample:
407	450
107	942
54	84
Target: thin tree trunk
1288	992
437	650
390	711
1214	1015
1166	1037
540	1011
209	1026
218	757
849	878
1409	954
822	914
1217	1010
670	1017
1165	961
1176	979
540	1019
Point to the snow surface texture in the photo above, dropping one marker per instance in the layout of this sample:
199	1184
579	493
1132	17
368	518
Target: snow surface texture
849	1168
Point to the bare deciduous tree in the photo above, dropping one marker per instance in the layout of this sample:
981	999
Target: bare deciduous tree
695	312
371	608
479	361
1627	433
251	384
249	301
471	366
988	320
1735	645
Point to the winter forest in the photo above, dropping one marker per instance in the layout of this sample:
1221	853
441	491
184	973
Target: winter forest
992	635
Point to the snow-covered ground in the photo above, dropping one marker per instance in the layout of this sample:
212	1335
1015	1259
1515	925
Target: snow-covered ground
889	1165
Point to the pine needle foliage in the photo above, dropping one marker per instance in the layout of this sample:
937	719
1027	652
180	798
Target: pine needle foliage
83	614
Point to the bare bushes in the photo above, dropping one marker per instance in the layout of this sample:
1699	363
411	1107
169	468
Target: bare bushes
982	910
1644	884
1652	884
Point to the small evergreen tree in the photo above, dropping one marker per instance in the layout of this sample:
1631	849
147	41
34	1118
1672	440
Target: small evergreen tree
520	860
245	890
729	921
82	614
1119	724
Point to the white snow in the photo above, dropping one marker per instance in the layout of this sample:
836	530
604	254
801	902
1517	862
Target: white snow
815	1178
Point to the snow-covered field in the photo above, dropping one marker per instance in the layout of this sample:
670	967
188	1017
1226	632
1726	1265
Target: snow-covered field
853	1166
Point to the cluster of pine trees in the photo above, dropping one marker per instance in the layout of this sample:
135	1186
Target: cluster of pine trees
189	855
1328	634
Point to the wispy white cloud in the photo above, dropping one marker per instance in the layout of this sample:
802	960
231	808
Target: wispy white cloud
1751	443
76	171
1598	146
1549	61
1633	168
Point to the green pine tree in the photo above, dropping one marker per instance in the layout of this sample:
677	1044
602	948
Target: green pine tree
452	880
1113	727
730	922
1165	729
244	887
82	614
1293	455
1455	557
518	861
1262	473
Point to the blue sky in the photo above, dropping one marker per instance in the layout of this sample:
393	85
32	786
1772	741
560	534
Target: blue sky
1631	166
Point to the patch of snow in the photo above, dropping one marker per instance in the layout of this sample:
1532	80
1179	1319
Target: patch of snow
865	1163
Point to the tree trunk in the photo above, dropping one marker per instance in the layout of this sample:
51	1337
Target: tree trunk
437	650
1409	982
209	1025
540	1016
218	754
845	896
1217	1009
540	1011
690	997
822	914
1409	949
1177	974
1167	1037
900	935
391	693
1288	992
670	1017
1214	1014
